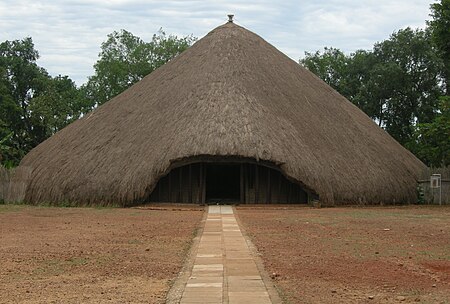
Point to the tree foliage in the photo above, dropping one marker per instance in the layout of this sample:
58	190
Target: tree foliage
410	71
397	84
432	140
440	28
33	105
20	81
125	59
330	66
59	104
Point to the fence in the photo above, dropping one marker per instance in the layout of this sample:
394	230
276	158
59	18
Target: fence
13	183
431	195
5	176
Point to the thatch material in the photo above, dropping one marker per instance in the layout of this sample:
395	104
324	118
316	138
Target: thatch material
230	94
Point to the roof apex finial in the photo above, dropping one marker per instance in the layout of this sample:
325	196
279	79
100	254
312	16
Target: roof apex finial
230	18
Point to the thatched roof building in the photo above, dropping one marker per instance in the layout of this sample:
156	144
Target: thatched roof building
230	118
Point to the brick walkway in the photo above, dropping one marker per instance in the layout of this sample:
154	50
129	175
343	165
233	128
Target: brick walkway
224	270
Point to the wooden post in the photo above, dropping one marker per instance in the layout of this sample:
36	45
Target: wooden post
246	183
190	184
158	185
256	184
200	190
169	176
242	199
289	192
269	189
279	187
204	185
180	182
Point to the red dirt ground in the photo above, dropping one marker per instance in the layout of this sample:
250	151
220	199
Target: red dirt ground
85	255
354	255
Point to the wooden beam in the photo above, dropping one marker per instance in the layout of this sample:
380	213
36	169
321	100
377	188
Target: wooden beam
159	184
269	188
256	184
246	183
180	182
204	185
169	176
289	192
242	199
279	187
190	184
200	190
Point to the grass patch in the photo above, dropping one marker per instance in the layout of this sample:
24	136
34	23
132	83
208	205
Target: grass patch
20	206
11	208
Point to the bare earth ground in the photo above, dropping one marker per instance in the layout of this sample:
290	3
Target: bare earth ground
86	255
354	255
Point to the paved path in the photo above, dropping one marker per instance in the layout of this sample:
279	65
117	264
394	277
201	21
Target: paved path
224	270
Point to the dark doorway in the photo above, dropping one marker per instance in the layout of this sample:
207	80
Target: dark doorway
222	183
227	183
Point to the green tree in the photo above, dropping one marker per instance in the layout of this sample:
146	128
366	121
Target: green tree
440	28
59	104
125	59
432	140
329	65
347	74
21	79
406	82
397	84
33	105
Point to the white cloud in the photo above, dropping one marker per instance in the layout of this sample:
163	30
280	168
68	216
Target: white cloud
68	33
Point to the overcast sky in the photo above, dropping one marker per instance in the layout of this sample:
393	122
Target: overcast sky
68	33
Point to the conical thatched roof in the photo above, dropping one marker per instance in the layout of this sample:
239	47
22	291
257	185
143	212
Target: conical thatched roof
230	94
